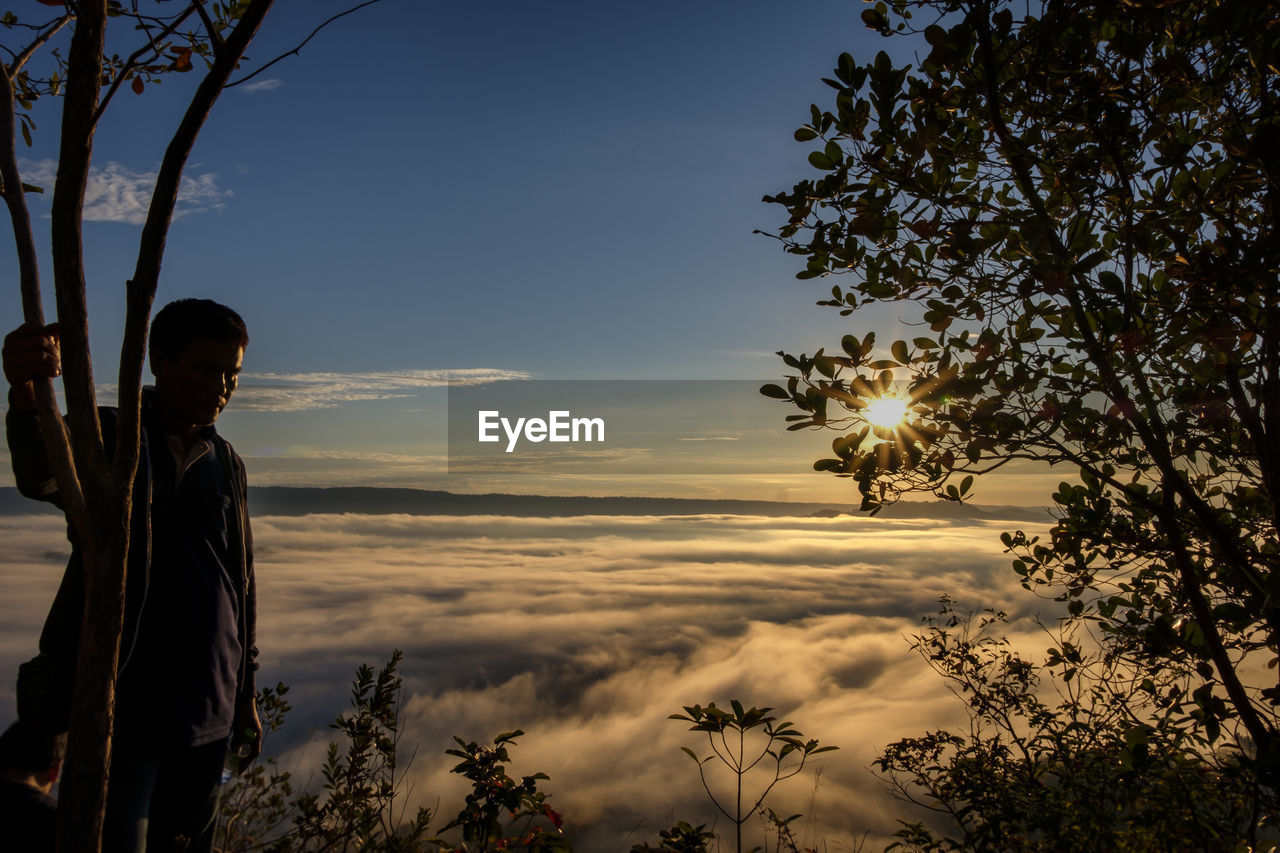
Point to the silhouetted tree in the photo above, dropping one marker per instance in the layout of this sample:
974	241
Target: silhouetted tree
94	481
1077	201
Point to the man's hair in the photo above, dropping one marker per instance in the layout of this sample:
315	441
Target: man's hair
179	323
25	748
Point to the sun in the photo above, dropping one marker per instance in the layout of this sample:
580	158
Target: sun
887	412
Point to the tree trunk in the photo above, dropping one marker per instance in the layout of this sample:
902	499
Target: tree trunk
82	797
103	539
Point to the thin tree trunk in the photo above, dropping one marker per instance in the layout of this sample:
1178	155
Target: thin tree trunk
57	441
104	540
108	486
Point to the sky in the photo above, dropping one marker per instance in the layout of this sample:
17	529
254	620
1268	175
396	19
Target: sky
586	632
488	190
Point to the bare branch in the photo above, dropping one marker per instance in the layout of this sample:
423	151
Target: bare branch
57	442
299	48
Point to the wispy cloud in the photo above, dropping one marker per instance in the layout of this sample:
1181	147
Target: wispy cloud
352	456
300	392
117	193
270	84
296	392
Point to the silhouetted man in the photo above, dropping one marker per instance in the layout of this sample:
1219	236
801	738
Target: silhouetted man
187	658
29	764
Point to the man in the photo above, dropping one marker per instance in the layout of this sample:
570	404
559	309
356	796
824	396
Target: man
187	655
29	764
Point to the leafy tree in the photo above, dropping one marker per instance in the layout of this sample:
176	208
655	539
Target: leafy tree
94	482
1069	753
1077	202
69	44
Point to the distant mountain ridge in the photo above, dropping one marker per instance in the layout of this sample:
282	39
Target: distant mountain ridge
306	500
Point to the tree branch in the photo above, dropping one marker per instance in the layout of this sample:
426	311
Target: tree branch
81	97
1262	734
210	28
57	442
1152	431
21	59
297	50
146	275
132	61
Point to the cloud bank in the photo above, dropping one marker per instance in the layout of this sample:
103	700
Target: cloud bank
587	632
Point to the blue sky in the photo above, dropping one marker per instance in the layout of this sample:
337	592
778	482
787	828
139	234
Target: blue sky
548	190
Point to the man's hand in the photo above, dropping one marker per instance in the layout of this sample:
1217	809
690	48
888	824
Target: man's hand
30	352
246	735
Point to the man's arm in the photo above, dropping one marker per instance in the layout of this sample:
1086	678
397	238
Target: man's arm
30	353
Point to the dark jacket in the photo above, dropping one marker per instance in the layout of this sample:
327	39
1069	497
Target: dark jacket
60	638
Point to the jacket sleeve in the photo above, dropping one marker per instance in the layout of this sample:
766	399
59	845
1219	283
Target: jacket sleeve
31	470
249	689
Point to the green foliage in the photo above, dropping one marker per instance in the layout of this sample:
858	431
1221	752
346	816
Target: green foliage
167	39
1068	754
256	805
501	813
743	739
356	808
681	838
1077	202
360	804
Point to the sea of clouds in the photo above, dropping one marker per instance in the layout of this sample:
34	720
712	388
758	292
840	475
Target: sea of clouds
587	632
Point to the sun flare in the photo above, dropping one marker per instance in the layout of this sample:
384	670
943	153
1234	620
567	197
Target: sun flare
887	412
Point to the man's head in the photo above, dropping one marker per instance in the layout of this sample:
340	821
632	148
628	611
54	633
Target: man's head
196	349
31	756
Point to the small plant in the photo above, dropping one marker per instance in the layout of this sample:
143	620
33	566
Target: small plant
356	808
255	804
781	748
360	805
500	813
782	828
681	838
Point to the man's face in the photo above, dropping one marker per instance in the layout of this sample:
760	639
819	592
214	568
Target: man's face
194	388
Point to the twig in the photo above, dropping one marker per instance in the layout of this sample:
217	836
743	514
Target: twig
297	50
21	59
